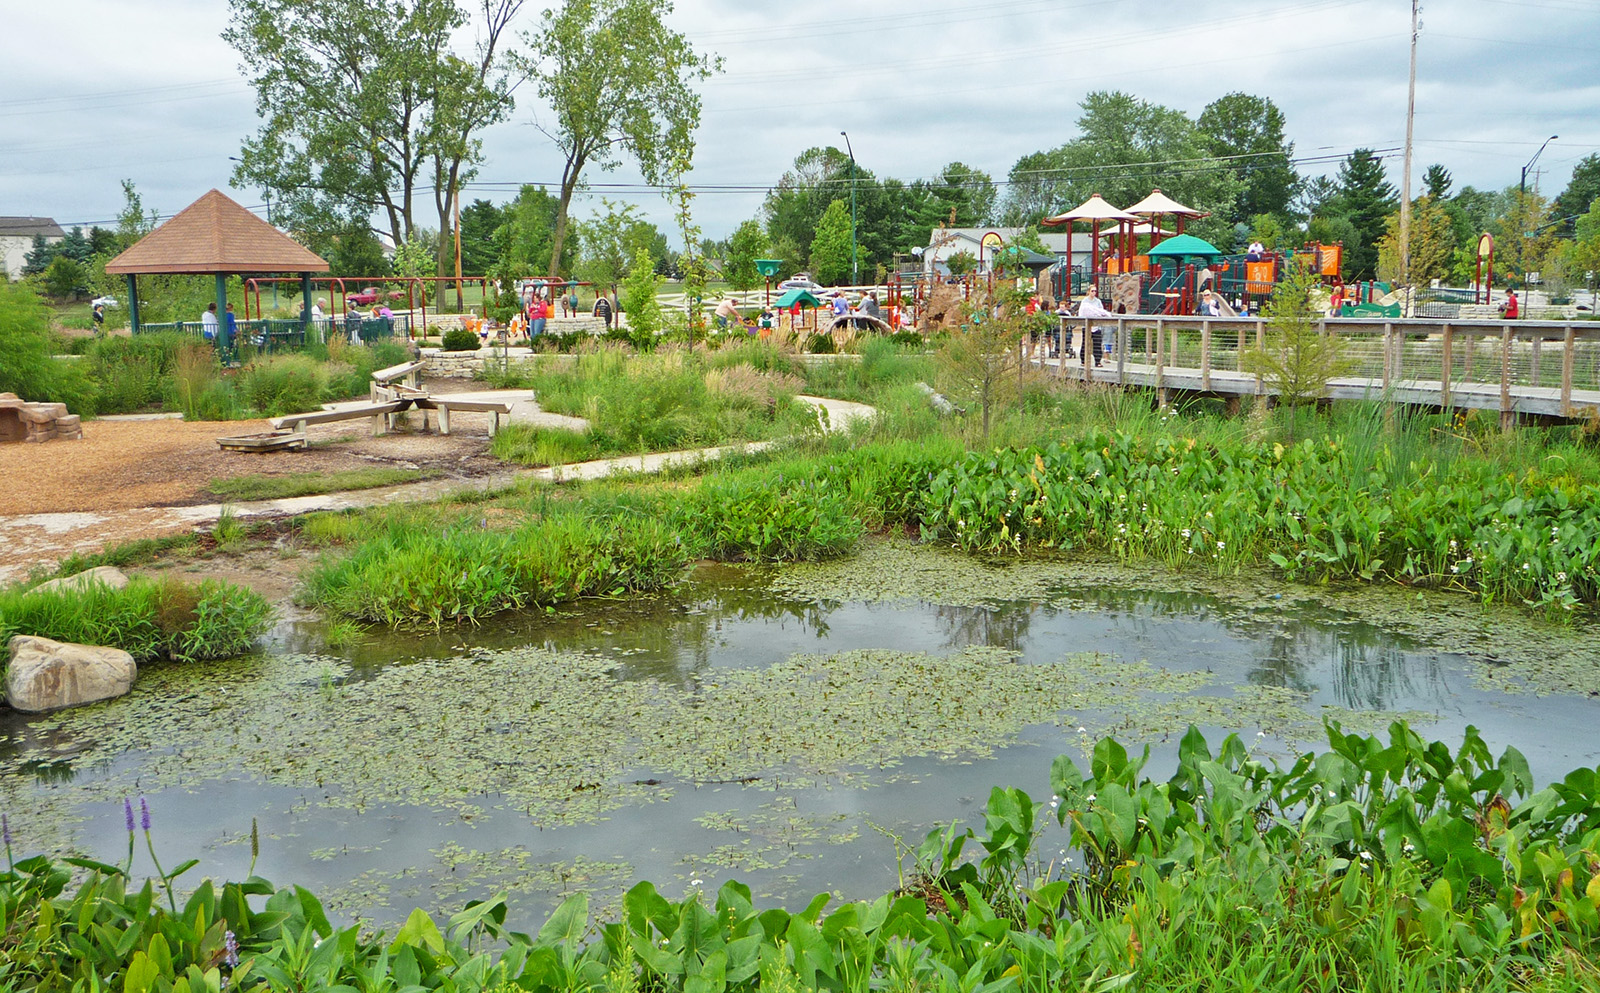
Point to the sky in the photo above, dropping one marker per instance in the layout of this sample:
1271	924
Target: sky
96	91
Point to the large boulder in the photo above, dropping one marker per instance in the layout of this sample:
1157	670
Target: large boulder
49	675
104	575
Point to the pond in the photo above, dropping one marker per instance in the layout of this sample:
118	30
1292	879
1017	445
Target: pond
780	726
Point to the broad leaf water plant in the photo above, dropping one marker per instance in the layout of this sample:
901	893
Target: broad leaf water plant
1375	865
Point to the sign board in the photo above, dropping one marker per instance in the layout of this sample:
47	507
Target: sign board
992	239
1485	245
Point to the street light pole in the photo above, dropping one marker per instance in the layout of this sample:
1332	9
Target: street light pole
1522	199
855	267
1523	185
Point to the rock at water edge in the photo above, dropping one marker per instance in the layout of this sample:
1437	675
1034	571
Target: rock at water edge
50	675
104	575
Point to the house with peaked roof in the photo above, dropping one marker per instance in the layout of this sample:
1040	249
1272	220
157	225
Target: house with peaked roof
943	243
16	240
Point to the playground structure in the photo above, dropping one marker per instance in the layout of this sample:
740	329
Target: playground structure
1142	259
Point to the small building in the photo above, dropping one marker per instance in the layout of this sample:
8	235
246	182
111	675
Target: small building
16	240
943	243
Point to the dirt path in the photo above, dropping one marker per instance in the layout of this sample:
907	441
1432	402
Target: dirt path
96	499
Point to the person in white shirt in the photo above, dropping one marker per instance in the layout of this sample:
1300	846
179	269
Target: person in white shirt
1255	251
1089	309
208	322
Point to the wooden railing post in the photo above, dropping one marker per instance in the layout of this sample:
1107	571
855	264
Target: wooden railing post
1123	336
1161	343
1447	360
1261	343
1388	355
1507	416
1568	347
1205	356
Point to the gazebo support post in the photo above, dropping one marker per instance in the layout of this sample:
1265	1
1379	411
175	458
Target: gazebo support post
305	304
223	338
133	302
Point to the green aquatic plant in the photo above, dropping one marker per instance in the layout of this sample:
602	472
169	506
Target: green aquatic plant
1370	866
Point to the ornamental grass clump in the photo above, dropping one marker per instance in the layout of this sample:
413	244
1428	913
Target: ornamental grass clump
408	576
149	618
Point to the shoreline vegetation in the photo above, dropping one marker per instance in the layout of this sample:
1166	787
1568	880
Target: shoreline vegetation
1374	864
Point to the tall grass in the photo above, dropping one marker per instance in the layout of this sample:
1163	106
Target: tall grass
148	618
406	576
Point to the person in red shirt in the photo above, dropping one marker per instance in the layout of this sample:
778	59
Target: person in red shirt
538	311
1509	308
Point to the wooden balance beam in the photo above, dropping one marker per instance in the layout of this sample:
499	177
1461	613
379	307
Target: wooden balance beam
444	405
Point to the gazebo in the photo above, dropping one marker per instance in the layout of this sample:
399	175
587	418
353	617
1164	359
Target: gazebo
1093	209
215	236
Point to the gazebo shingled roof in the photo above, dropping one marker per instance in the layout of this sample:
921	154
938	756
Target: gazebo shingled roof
215	235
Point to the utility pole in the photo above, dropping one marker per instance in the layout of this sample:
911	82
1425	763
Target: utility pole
855	267
456	196
1405	180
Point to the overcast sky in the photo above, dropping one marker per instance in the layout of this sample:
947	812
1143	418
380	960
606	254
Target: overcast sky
95	91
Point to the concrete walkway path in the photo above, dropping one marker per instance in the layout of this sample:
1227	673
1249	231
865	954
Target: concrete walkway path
29	541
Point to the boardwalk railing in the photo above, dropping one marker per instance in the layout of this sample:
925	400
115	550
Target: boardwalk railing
1515	367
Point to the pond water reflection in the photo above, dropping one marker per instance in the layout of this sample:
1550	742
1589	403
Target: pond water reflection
789	828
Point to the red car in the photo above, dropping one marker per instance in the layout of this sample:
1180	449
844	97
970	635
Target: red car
365	298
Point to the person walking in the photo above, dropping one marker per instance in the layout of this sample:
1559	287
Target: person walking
1509	310
99	320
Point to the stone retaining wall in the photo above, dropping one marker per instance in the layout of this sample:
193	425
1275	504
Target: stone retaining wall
468	365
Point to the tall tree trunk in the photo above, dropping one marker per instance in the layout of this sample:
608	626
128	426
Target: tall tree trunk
569	185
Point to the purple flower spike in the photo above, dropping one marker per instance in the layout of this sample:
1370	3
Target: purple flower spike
230	946
144	815
127	813
5	829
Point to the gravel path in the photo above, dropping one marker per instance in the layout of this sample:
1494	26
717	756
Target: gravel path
141	479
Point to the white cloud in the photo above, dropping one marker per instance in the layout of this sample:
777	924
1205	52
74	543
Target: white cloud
100	90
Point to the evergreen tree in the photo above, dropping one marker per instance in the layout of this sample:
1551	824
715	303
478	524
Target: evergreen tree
1581	190
1365	199
1436	183
39	257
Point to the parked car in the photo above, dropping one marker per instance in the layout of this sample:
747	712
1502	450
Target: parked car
365	298
104	302
800	281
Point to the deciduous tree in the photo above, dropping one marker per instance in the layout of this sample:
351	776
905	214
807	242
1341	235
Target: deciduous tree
617	82
1433	244
830	249
1248	132
747	244
1294	359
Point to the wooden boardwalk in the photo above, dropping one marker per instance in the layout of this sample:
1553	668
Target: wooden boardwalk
1544	368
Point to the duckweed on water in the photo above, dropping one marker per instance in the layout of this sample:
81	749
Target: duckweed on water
1510	650
556	735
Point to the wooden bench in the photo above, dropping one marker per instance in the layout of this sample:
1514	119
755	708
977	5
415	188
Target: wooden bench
376	411
444	405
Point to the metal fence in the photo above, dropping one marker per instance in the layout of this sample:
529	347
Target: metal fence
289	334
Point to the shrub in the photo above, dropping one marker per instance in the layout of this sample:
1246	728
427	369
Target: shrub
820	343
148	618
26	366
527	445
460	340
284	384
